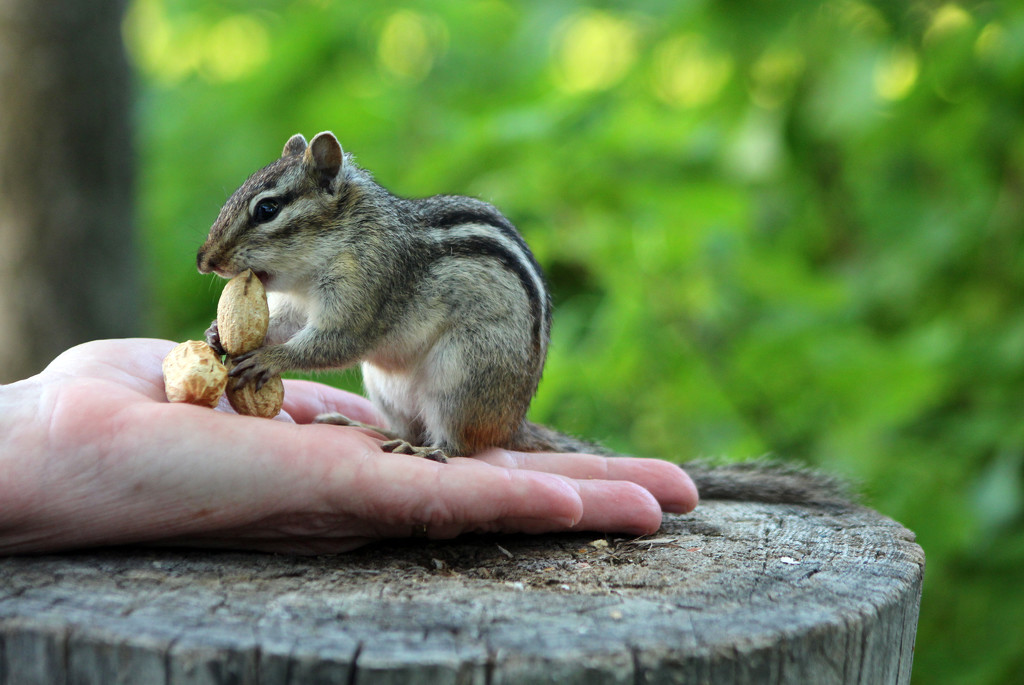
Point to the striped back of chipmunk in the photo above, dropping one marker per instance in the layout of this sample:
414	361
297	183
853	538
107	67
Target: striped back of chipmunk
470	227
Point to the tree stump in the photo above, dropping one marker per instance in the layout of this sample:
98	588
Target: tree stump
736	592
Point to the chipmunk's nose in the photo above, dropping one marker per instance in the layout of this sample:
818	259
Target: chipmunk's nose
204	261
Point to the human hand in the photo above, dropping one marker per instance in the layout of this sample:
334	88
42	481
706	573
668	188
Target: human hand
94	455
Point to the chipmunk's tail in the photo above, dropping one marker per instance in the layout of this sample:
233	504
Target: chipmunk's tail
770	481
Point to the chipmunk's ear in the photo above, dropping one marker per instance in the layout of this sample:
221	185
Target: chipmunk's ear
294	146
324	157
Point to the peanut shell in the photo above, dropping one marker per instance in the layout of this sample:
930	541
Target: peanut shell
242	314
194	374
265	402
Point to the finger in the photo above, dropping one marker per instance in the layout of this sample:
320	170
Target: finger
618	507
305	400
668	483
468	495
394	494
608	507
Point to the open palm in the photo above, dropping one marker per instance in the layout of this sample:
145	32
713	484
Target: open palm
94	454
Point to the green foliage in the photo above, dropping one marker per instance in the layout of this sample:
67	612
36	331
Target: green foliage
789	228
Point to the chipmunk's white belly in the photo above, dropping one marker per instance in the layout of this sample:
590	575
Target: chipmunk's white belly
416	398
411	388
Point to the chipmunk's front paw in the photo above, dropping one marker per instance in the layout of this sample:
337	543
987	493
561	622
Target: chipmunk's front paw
403	447
256	367
213	339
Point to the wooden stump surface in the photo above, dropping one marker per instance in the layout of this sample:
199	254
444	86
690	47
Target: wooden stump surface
733	593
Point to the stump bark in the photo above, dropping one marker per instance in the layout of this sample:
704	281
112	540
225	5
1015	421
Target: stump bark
735	592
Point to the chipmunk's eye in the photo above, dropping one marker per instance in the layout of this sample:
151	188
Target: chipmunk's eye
266	210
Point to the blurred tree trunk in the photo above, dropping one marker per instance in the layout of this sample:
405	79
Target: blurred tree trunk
67	252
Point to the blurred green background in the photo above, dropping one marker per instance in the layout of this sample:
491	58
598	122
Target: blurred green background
789	228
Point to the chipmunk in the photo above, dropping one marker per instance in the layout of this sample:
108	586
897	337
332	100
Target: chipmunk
439	298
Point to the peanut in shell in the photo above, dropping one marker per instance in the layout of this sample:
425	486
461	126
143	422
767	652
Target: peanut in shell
242	314
265	402
193	373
